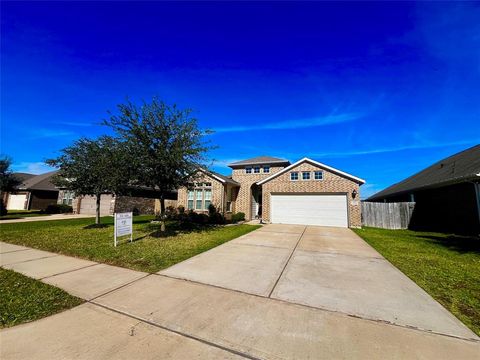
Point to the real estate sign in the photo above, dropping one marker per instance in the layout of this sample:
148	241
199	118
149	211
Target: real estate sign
123	226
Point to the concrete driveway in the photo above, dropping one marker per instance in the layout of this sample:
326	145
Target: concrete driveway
281	292
321	267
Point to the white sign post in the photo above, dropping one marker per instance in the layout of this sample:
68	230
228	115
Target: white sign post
123	226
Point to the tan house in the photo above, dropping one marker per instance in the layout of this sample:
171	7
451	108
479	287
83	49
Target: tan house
275	191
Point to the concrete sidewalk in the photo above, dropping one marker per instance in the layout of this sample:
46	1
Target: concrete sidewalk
131	314
46	218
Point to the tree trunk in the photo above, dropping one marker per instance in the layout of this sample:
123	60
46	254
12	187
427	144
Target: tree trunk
162	213
97	211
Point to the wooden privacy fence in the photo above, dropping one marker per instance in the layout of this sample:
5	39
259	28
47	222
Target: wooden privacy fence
387	215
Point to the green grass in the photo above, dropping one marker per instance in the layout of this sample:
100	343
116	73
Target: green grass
151	251
446	266
20	214
23	299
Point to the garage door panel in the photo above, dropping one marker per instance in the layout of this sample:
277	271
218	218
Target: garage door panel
318	209
88	205
16	201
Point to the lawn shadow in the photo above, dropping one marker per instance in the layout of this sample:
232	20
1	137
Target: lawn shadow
459	243
96	226
175	229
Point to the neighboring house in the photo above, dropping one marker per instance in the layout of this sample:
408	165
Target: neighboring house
306	192
446	194
141	201
35	193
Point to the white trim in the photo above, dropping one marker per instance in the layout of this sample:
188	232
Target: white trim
319	164
212	175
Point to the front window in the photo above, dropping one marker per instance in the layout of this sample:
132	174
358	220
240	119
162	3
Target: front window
190	200
266	169
294	176
248	170
208	198
67	198
306	175
256	169
318	175
198	199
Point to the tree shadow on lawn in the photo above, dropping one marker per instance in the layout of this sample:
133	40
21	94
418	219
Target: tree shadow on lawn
109	223
177	228
459	243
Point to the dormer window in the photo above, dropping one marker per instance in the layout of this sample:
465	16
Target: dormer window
256	169
248	170
266	169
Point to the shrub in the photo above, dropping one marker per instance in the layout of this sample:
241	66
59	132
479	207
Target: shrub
240	216
214	216
58	209
171	213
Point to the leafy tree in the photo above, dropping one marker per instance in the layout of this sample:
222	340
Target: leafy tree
166	143
8	181
93	167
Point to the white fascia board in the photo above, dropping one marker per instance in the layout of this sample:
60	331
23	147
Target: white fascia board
212	175
319	164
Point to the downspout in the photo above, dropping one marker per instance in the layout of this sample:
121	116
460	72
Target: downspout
223	198
29	200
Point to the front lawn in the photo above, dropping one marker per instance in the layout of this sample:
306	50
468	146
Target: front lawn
444	265
23	299
151	251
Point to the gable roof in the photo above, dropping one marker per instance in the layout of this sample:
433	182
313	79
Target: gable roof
39	182
260	160
319	164
462	166
23	176
222	178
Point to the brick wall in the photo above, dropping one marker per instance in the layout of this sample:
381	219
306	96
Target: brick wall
243	201
218	193
331	183
129	203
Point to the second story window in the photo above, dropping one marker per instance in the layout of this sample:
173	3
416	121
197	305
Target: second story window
266	169
256	169
294	176
306	175
248	170
318	175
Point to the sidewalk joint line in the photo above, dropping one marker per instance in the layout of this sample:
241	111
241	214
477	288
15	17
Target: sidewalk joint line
192	337
11	251
68	271
24	261
120	287
287	262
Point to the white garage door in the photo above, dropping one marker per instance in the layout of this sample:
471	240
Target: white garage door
88	205
322	210
16	201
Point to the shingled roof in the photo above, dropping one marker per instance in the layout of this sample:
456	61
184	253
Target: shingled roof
23	176
259	160
39	182
463	166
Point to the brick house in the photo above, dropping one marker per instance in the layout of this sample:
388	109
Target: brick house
35	192
272	189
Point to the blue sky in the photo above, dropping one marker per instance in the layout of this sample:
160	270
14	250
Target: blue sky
379	90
